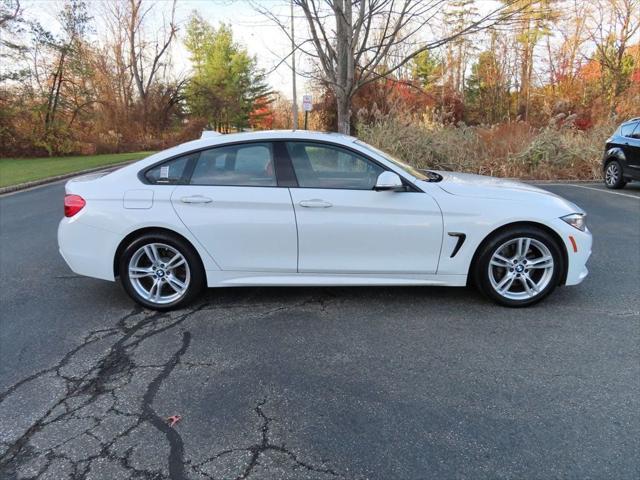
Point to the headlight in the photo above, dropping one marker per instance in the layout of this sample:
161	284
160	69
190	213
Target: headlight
576	220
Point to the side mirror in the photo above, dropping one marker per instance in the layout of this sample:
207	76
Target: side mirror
389	181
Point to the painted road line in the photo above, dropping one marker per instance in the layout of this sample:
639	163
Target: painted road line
637	197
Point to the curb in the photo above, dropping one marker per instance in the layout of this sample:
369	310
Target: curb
57	178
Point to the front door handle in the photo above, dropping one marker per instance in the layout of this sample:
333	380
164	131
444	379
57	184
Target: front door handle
315	203
196	199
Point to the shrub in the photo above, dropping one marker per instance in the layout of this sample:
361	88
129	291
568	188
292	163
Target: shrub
515	149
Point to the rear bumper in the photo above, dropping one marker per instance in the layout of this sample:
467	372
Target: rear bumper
87	250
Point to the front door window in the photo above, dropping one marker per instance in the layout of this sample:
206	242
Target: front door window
327	166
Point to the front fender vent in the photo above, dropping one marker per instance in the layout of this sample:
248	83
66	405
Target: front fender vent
461	238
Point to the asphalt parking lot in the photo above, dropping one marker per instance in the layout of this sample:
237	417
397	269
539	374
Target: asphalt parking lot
319	383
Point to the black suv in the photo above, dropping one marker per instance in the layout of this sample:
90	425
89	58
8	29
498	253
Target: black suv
621	162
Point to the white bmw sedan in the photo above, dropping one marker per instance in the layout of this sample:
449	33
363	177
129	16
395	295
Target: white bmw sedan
303	208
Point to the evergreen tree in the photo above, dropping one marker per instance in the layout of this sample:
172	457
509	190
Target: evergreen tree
427	68
226	85
486	90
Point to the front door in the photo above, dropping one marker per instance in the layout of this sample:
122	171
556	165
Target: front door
234	207
345	226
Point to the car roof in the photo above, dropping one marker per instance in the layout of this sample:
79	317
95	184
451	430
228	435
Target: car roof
210	140
265	135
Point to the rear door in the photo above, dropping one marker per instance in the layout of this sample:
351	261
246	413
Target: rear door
345	226
234	207
633	149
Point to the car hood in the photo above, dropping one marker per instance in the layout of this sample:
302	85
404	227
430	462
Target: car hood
480	186
470	185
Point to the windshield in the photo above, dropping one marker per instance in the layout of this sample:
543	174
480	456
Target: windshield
419	174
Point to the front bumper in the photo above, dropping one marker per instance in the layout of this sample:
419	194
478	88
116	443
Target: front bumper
578	246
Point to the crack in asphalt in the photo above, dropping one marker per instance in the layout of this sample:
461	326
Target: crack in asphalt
259	449
94	384
176	452
266	445
85	402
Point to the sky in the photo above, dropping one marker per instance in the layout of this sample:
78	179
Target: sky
263	38
252	29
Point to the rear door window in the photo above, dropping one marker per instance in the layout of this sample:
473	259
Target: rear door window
627	129
243	165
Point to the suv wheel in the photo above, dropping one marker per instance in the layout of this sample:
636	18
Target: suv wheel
613	175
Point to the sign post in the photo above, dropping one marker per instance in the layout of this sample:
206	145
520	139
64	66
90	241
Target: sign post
307	106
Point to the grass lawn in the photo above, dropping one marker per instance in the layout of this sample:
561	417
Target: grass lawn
19	170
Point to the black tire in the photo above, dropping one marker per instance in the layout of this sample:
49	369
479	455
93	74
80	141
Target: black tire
613	177
482	276
195	272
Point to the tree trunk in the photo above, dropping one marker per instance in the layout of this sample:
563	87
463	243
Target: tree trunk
54	94
135	56
525	68
343	107
345	64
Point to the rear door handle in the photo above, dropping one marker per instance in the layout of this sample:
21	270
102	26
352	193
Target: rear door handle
315	203
196	199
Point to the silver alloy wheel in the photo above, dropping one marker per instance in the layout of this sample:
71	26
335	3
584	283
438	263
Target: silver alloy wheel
159	273
612	174
521	268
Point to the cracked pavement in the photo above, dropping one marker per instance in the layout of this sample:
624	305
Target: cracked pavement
317	383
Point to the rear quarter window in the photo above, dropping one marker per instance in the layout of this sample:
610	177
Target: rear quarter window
171	172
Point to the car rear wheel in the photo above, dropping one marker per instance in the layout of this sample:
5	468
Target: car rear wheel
161	271
613	175
519	267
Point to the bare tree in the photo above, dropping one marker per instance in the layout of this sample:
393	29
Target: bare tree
11	49
145	61
116	57
146	57
564	57
354	41
615	24
74	21
9	11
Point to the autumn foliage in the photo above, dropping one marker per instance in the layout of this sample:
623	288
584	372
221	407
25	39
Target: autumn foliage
535	97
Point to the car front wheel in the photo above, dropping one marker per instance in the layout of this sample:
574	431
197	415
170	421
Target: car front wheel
613	175
519	267
161	271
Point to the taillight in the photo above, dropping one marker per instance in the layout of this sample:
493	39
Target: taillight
73	204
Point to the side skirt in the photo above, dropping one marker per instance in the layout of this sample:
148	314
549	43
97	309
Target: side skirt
217	278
